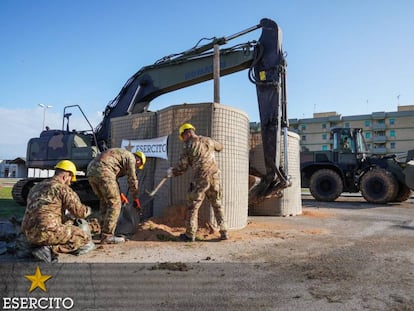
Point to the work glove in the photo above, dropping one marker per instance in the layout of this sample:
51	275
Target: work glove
137	203
124	199
170	172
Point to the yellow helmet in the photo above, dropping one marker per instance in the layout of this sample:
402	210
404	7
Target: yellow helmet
143	158
183	128
68	166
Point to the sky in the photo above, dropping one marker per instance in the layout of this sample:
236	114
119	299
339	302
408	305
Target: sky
349	56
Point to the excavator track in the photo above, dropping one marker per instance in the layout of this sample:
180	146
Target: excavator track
21	190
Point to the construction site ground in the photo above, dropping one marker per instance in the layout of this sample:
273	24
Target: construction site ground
347	254
346	225
342	255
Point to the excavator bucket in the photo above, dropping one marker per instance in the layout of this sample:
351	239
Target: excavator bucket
268	73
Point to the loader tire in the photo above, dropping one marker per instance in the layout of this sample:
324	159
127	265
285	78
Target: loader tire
326	185
379	186
404	193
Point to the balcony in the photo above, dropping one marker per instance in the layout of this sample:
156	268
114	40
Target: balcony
381	139
336	118
379	127
378	115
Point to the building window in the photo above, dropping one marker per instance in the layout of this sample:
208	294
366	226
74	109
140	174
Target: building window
303	127
324	136
367	135
324	125
392	145
392	121
367	123
324	147
303	137
347	125
392	133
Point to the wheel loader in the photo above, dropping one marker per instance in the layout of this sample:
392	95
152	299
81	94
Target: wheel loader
350	167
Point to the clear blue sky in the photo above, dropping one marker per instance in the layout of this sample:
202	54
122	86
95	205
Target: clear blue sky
348	56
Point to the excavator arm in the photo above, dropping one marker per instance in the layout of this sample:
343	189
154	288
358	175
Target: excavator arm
266	66
267	70
166	76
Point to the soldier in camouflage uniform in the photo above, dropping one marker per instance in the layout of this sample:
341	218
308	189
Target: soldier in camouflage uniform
198	152
44	222
103	173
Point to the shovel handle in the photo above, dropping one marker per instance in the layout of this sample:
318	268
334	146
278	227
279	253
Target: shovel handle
163	180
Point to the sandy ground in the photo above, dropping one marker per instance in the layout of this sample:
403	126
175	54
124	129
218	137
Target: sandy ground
323	227
344	255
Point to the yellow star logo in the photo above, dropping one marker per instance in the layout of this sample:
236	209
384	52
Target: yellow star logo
38	280
129	147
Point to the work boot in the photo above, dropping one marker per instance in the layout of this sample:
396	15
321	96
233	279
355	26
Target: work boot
185	238
224	235
90	246
43	253
112	239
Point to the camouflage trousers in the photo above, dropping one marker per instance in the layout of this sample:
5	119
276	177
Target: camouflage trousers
200	189
107	190
65	238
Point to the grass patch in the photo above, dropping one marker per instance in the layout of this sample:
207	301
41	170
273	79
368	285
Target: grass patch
8	207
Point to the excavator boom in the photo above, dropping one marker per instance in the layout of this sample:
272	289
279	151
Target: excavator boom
167	76
266	66
267	70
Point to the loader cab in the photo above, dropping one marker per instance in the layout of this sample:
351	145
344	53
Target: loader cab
346	140
343	141
348	146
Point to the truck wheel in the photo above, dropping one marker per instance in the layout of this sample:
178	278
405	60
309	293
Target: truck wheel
404	193
326	185
379	186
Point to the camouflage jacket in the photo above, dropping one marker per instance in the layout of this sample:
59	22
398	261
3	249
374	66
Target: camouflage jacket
114	163
46	205
198	153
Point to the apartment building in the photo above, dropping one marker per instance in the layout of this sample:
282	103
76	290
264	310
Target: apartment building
385	132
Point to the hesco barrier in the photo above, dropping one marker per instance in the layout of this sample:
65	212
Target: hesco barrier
225	124
291	202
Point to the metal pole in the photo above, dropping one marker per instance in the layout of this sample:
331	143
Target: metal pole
44	113
216	73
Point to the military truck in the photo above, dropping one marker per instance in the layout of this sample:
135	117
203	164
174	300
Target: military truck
350	167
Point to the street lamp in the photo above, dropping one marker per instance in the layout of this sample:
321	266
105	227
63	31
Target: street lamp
44	113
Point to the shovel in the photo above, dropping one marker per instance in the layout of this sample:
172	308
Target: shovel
158	187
